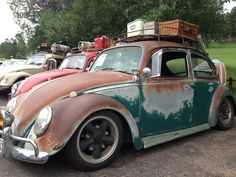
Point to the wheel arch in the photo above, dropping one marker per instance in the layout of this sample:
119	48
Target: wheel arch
17	76
220	94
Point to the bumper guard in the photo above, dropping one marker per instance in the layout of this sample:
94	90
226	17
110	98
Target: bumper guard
7	149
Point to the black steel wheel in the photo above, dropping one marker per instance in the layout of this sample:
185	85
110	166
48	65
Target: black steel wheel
96	142
225	115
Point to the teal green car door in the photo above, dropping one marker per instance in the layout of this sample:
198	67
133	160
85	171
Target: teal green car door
205	84
166	97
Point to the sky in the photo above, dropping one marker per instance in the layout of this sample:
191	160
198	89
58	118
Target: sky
9	28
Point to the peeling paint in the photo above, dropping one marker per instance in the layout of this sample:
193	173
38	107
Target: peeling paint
168	103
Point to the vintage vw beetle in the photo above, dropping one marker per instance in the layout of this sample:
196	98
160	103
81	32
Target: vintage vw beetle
147	91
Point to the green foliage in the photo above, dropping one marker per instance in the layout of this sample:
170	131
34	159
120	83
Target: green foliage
14	47
225	52
231	23
75	20
8	48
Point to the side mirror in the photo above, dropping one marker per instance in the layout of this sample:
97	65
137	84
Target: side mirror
147	72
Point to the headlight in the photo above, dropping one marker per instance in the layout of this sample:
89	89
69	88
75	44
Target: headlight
4	80
11	104
13	89
5	119
42	122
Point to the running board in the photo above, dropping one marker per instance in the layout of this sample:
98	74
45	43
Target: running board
165	137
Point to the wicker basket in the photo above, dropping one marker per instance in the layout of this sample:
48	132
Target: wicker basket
178	28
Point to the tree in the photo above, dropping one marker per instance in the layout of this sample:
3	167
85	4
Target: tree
8	48
14	47
27	12
75	20
21	46
232	23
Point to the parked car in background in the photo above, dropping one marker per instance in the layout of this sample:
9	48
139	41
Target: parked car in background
74	63
79	60
8	62
35	64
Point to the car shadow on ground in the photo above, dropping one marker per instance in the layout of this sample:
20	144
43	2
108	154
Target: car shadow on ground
58	165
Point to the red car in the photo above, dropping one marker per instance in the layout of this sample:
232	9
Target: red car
74	63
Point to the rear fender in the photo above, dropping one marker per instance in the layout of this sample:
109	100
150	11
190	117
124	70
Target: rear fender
220	67
220	94
69	113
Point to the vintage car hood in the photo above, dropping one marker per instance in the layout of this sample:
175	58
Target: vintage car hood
28	105
36	79
9	69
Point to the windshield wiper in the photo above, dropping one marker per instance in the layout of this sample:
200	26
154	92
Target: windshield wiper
122	71
107	69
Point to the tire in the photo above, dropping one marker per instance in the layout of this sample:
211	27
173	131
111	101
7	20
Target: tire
96	142
225	116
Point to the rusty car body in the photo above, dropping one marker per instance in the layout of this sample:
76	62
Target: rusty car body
147	91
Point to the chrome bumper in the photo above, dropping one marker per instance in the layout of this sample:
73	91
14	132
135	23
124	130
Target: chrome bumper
7	149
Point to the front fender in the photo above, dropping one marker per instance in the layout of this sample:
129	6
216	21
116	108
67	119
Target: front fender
14	76
69	113
220	94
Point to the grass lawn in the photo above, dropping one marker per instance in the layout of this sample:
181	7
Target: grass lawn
226	53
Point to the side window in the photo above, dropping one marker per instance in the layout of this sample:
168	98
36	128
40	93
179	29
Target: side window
174	64
201	68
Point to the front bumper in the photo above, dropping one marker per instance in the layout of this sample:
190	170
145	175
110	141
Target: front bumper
7	149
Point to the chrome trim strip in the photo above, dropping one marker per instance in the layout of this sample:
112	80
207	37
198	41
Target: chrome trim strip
131	84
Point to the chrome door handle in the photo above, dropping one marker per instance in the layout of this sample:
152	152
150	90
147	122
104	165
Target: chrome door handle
189	85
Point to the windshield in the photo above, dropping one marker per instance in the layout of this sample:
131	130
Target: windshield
73	62
123	59
8	62
19	62
36	60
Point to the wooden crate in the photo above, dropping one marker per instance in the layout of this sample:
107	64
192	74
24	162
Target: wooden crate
179	28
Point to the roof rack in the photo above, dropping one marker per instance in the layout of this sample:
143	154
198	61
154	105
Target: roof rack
178	31
170	38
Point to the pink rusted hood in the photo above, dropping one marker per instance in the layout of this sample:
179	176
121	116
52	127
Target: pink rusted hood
32	102
42	77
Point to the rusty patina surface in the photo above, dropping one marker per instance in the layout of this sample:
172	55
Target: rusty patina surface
25	113
58	134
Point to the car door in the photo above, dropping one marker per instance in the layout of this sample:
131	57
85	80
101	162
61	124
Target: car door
205	84
167	96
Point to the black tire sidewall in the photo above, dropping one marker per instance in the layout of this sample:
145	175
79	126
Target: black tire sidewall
224	126
71	151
